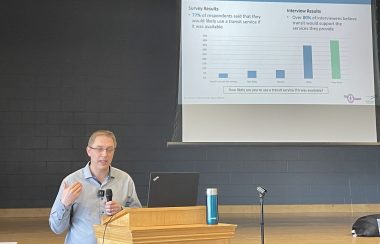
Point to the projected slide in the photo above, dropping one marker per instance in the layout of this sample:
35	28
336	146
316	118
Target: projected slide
277	52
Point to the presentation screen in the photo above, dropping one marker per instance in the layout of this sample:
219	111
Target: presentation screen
278	71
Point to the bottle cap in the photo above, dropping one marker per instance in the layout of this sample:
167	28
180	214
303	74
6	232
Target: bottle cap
212	191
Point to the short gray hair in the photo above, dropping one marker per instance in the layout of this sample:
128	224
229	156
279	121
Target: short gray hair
102	133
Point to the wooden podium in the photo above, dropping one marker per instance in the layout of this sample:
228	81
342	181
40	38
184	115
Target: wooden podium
162	225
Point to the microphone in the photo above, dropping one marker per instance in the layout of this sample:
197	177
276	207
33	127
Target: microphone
100	193
109	195
261	190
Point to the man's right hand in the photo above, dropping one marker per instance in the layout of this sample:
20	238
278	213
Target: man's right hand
70	193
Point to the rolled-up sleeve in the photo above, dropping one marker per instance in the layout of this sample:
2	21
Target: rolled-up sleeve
132	201
59	219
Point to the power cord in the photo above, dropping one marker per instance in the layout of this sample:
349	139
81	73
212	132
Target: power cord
105	228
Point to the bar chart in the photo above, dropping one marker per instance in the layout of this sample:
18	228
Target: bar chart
256	53
249	58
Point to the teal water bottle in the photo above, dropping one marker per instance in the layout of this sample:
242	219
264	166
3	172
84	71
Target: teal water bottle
212	216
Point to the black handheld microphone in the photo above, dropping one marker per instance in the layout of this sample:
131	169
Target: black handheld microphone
109	195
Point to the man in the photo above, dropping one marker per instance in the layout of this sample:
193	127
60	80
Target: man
81	200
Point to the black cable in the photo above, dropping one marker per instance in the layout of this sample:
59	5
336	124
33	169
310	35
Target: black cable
105	228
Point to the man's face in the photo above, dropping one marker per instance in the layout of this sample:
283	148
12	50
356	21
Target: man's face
101	152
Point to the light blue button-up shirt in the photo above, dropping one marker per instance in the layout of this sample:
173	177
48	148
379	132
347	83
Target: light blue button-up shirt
88	209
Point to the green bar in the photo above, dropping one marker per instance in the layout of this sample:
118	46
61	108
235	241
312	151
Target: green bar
335	59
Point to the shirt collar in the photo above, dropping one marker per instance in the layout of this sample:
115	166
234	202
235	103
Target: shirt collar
87	172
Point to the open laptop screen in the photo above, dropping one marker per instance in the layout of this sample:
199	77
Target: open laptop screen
173	189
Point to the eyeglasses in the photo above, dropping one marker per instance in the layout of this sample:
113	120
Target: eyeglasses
101	149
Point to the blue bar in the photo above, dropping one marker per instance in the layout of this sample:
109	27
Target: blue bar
307	62
280	74
252	74
223	75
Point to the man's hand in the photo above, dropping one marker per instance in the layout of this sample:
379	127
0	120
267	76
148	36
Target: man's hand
70	193
112	207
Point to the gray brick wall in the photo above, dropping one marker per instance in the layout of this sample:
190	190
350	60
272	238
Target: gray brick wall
70	67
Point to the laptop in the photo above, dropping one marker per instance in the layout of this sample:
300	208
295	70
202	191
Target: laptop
173	189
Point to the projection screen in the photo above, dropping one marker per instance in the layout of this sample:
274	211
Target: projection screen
278	71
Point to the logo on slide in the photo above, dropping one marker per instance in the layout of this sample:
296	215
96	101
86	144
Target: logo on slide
351	98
